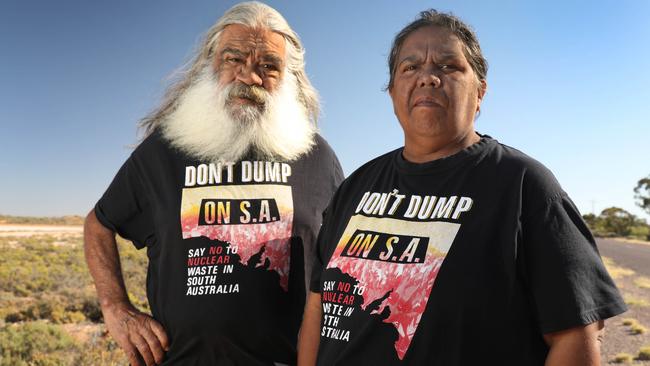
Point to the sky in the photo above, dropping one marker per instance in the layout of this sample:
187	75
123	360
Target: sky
568	84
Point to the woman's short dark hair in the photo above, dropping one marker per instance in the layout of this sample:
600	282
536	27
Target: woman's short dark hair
432	17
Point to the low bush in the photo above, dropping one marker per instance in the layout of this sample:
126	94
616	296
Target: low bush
35	343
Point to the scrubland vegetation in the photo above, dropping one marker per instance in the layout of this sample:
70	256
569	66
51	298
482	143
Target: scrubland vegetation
63	220
616	222
49	314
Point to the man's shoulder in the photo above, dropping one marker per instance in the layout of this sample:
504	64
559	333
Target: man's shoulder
321	157
322	149
152	144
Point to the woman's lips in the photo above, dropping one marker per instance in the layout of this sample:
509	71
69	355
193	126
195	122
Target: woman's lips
426	102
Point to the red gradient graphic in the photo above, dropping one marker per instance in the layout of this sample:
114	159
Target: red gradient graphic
409	284
274	237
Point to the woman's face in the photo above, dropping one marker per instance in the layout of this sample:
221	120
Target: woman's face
435	92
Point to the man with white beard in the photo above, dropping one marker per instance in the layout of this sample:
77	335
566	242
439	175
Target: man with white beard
226	192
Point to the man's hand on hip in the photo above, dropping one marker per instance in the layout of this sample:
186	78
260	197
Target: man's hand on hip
142	338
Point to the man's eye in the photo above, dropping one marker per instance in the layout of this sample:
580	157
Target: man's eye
269	67
234	60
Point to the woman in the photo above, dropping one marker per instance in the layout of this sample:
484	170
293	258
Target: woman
455	249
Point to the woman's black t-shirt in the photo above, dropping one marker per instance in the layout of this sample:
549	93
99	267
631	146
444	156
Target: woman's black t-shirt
465	260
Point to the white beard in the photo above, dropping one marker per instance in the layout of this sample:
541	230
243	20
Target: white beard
203	127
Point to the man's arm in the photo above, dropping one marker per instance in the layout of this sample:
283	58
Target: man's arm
309	336
579	346
138	334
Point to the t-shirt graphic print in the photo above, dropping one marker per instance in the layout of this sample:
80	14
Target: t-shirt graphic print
392	265
246	222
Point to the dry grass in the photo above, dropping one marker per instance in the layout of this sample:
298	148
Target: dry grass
616	271
635	301
642	281
629	321
623	358
644	354
637	329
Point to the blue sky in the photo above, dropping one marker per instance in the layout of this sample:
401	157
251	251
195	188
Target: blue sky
569	84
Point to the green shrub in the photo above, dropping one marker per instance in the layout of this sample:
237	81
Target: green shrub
44	284
35	343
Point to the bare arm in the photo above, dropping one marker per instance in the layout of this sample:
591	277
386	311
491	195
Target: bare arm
579	346
309	337
138	334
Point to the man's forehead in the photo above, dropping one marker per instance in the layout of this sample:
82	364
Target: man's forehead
261	38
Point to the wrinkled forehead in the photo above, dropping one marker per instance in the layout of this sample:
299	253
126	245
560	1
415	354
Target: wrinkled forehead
432	39
252	39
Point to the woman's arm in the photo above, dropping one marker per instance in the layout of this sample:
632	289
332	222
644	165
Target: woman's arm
309	336
579	346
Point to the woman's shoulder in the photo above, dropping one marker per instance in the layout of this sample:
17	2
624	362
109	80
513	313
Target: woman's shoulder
536	178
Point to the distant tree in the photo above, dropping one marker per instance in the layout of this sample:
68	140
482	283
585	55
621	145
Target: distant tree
618	221
642	193
591	220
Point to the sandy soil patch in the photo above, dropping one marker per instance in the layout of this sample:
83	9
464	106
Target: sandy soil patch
16	230
83	332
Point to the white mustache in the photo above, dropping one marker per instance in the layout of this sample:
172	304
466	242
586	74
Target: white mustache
205	126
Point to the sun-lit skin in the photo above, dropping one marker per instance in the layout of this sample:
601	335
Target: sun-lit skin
435	94
253	56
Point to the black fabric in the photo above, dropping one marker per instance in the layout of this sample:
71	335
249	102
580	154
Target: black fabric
475	281
253	222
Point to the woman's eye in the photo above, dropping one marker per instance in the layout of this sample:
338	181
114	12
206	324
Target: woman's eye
446	67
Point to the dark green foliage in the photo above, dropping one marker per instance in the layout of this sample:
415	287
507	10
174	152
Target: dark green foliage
642	193
614	221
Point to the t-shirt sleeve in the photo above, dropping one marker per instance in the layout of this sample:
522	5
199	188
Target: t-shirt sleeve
124	207
322	241
568	283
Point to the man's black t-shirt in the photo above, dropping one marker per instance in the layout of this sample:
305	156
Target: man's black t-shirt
229	247
465	260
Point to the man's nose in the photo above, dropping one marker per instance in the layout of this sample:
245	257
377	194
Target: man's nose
249	75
